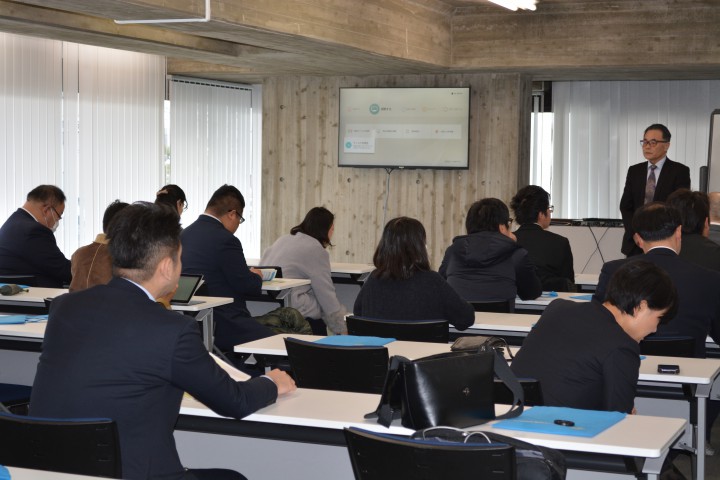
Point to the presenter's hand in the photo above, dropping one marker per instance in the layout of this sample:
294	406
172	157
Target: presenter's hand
285	383
256	272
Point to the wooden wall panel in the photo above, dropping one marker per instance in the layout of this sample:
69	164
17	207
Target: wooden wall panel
300	122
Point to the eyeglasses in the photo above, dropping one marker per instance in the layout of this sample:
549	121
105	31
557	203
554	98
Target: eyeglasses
56	213
551	209
510	221
242	219
185	206
653	142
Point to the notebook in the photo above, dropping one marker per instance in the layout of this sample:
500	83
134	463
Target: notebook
188	284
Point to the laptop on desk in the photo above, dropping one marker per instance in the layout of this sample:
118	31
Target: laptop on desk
187	286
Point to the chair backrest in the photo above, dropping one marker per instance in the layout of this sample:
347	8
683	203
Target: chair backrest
80	446
433	331
494	307
376	456
328	367
531	389
20	279
668	346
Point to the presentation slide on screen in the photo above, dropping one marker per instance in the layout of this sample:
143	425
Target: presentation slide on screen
404	127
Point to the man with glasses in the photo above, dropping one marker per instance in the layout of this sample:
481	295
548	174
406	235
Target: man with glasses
548	251
211	248
650	181
27	244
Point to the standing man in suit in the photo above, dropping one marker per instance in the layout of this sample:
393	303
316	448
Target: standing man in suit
658	230
211	248
650	181
549	252
714	198
27	243
111	351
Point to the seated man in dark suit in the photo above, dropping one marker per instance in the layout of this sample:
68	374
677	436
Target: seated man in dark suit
549	252
27	243
658	233
694	208
586	355
111	351
210	248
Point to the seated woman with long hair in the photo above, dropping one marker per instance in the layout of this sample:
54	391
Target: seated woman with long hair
173	196
402	286
303	254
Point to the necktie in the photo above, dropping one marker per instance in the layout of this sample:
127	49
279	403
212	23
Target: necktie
650	185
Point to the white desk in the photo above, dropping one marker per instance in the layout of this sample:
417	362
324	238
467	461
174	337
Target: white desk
644	437
702	375
36	296
275	345
587	281
544	300
28	474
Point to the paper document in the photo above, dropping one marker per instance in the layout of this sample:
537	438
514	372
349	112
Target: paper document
234	373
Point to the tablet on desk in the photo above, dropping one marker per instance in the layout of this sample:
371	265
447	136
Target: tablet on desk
187	286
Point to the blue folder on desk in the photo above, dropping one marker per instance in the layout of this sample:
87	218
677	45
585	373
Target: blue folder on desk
587	297
588	423
19	319
354	341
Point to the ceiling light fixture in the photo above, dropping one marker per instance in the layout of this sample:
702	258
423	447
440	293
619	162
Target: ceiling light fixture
516	4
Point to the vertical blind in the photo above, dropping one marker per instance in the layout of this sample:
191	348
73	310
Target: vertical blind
84	118
215	140
596	133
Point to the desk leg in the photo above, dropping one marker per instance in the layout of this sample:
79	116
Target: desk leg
700	443
208	327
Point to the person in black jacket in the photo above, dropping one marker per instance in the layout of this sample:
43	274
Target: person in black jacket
111	351
487	264
402	286
586	354
549	252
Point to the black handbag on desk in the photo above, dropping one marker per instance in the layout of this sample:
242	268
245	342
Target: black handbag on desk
453	389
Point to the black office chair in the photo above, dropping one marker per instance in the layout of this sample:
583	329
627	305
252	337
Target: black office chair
378	456
21	279
329	367
432	331
506	306
84	447
531	389
668	346
14	398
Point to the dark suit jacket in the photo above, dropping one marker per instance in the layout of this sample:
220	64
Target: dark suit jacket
582	358
29	247
551	255
209	249
698	291
673	176
110	351
715	233
700	251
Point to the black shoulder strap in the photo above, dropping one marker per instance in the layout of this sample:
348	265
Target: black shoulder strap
386	411
504	373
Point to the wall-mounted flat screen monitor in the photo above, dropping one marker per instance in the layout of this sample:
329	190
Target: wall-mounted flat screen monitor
404	127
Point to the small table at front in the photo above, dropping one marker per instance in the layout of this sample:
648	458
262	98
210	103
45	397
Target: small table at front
316	418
